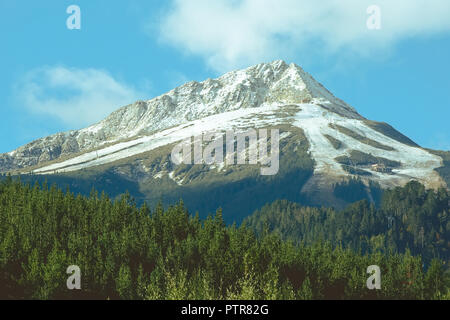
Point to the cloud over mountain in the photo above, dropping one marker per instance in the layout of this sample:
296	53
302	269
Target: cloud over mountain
230	34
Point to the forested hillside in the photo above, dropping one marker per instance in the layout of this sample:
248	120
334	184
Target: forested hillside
130	252
408	218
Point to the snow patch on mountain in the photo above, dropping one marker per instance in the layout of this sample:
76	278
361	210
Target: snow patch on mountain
416	163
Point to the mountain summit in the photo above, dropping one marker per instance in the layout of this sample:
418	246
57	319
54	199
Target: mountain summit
324	141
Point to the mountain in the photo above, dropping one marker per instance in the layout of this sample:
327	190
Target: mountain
324	142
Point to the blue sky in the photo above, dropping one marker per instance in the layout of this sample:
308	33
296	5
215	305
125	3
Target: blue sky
54	79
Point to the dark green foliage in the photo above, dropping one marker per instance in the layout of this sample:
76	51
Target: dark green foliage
127	252
409	218
355	189
84	181
360	138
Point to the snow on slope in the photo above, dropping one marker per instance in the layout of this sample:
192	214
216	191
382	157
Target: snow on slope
416	163
312	118
238	119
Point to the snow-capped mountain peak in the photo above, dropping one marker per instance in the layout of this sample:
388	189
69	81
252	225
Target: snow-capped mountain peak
267	94
256	86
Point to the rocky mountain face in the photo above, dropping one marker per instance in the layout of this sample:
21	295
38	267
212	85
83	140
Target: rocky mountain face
324	141
250	88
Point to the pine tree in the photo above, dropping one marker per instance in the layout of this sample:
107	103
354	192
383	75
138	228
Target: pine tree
124	283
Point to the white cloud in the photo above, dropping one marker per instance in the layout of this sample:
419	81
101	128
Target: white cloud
78	97
236	33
